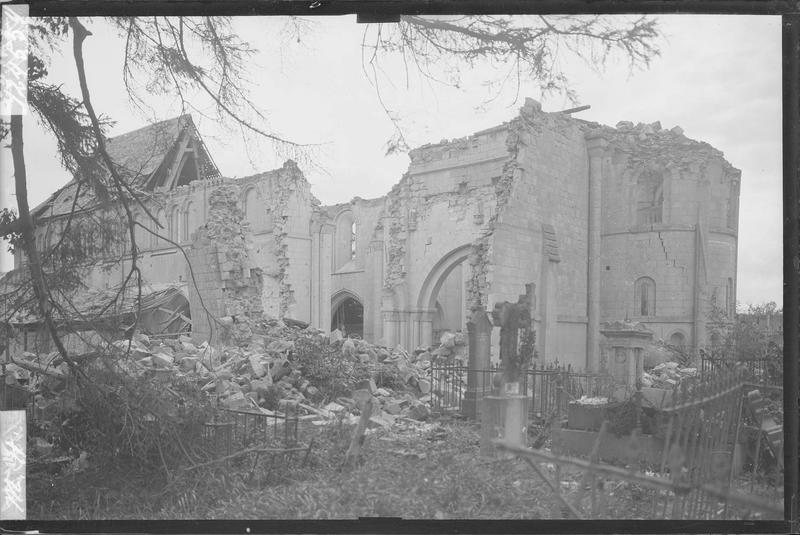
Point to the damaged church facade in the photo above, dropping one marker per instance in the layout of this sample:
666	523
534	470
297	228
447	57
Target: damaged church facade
634	222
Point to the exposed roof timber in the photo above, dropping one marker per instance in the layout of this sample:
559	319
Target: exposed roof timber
143	155
178	160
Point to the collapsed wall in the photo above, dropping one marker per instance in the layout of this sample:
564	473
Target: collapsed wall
251	257
222	283
283	210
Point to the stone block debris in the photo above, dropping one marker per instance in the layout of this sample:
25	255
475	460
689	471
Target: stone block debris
266	369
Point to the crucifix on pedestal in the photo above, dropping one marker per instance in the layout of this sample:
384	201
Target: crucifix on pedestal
516	336
505	414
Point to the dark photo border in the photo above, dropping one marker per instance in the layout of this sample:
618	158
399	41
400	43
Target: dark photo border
387	11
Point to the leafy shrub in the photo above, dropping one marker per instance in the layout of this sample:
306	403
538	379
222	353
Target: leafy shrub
324	366
121	416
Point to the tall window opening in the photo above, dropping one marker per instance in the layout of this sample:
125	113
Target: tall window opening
645	297
730	303
353	240
344	240
250	207
174	224
650	199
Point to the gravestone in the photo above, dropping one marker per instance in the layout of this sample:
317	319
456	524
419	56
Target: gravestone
623	355
479	329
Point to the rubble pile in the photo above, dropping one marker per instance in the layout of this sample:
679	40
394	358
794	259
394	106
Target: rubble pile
265	371
667	375
452	347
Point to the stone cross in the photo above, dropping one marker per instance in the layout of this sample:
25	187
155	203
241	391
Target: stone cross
511	317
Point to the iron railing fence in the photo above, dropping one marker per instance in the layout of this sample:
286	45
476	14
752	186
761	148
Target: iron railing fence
695	478
550	387
768	371
235	429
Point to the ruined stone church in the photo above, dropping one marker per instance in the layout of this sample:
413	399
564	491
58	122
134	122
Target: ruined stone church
635	222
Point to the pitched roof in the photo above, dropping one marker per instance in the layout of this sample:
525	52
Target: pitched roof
141	151
139	155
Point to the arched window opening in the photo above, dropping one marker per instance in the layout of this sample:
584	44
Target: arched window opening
650	199
249	207
348	317
344	240
645	297
353	240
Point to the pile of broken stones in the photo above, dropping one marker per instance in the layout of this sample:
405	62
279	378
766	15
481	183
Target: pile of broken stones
667	375
260	373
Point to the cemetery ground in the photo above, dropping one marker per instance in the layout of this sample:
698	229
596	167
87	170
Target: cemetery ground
289	422
414	470
432	470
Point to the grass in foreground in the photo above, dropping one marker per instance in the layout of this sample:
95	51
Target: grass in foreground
432	471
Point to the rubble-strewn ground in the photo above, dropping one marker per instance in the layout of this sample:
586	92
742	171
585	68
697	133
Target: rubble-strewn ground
413	470
416	463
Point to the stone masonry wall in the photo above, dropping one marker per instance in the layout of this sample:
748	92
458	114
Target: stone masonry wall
699	188
444	202
545	183
283	250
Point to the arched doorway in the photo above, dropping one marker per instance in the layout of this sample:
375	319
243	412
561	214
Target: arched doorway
444	295
347	315
450	303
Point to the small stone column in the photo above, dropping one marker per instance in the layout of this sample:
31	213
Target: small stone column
325	268
623	354
479	329
426	328
375	253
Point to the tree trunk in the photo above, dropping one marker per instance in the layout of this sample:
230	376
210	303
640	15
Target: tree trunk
28	237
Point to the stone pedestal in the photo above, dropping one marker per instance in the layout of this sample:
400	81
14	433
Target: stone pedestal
479	330
504	417
623	354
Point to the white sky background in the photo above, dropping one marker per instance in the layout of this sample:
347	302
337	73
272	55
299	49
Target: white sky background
718	77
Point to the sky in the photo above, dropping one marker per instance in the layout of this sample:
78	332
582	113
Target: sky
717	77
